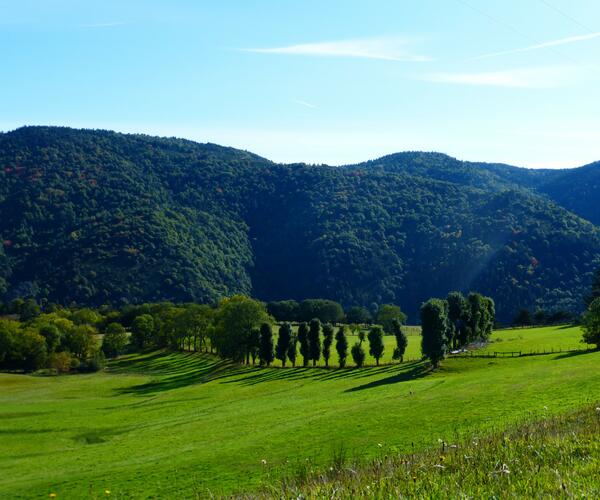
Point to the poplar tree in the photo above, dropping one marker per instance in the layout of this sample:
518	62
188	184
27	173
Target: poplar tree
401	341
314	340
266	344
292	349
341	345
376	346
283	342
434	329
327	341
303	339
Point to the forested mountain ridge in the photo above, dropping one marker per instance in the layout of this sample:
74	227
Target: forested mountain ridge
99	217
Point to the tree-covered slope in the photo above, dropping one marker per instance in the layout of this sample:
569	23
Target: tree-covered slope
96	217
577	190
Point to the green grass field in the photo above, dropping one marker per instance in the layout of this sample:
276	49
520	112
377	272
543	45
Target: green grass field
539	339
173	424
548	457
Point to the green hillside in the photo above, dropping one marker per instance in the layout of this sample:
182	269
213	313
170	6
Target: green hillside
96	217
163	424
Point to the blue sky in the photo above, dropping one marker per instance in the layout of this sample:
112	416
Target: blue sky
515	81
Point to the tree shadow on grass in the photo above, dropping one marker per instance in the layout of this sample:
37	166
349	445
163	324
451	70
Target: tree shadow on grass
174	371
418	370
576	353
259	375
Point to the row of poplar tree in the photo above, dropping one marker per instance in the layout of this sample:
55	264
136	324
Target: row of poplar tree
308	343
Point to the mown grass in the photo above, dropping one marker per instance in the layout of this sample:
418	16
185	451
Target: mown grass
538	339
180	424
553	457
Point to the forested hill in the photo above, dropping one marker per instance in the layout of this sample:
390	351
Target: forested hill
98	217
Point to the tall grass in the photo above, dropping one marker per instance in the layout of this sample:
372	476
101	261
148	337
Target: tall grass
555	457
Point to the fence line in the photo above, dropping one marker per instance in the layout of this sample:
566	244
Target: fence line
520	354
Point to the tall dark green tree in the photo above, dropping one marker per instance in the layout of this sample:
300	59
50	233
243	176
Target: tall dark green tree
591	324
358	354
266	344
376	346
327	341
490	317
253	345
293	349
459	314
595	291
283	342
434	329
401	341
479	316
304	344
341	345
314	340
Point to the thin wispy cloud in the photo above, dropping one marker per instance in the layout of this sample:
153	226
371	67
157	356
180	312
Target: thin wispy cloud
305	104
525	78
104	25
539	46
385	48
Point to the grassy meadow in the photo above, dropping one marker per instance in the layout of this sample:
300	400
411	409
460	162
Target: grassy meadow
165	424
548	457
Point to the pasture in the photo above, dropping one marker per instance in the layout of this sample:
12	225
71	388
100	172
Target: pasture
183	424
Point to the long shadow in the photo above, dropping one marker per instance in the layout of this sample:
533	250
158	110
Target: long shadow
191	369
575	353
259	375
418	371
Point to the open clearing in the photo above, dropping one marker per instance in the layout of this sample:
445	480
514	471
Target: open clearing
160	424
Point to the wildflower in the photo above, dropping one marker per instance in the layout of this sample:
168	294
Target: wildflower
545	408
263	461
439	466
503	470
52	495
107	492
442	458
380	445
598	409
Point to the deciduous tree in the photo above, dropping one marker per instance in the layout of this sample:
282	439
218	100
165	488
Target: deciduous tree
434	328
327	341
266	344
341	345
401	342
314	340
591	324
283	342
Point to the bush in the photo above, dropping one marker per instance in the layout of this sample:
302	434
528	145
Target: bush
61	362
94	364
